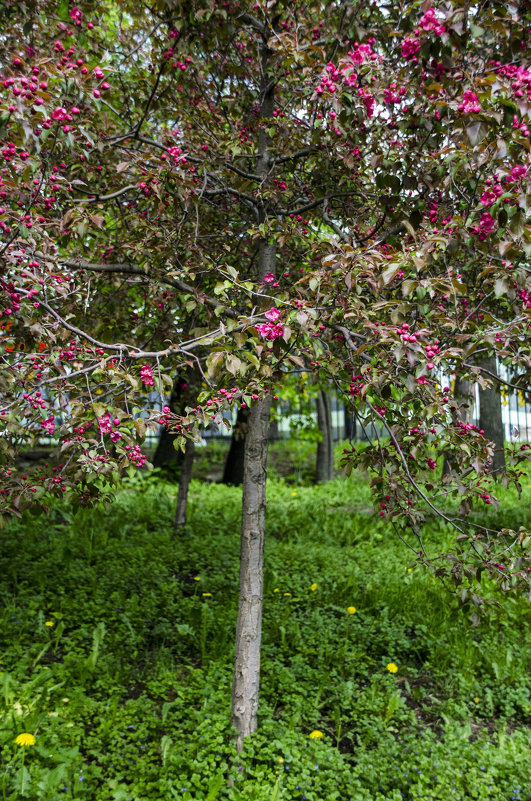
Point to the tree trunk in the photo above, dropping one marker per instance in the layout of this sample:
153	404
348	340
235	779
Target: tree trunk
184	483
325	449
233	470
464	397
165	453
350	424
246	679
490	416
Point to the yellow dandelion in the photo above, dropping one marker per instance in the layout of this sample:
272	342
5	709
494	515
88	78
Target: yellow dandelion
281	760
293	494
276	589
316	735
313	587
476	700
25	739
49	623
197	578
351	610
287	594
392	668
207	595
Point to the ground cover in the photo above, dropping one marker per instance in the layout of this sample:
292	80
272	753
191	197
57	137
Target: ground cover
117	653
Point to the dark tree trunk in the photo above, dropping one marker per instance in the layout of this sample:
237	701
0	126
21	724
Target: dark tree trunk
184	483
350	424
233	470
464	400
165	452
324	466
490	416
246	681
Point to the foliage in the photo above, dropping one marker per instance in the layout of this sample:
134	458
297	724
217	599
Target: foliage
128	692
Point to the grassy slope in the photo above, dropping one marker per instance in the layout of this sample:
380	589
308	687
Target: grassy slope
144	714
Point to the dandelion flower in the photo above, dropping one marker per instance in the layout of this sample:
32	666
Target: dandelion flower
287	594
49	623
476	700
293	494
207	595
313	587
316	735
276	589
392	668
281	760
25	739
351	610
197	578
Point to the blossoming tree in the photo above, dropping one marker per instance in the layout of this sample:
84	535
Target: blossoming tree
240	187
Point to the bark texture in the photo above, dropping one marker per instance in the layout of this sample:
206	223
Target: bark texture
246	681
184	483
490	416
233	470
324	466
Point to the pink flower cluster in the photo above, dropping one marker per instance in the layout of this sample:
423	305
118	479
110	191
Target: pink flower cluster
270	330
362	52
521	79
146	375
429	22
356	384
106	426
486	224
521	125
469	104
368	101
49	425
491	195
328	81
410	48
393	94
135	455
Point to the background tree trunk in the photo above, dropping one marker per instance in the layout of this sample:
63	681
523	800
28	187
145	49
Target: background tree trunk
324	466
233	470
184	483
490	416
350	424
246	681
464	397
165	453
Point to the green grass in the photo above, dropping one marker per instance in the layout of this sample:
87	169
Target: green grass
129	691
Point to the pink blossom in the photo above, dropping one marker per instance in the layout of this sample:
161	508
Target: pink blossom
410	48
146	374
272	315
469	103
429	22
518	171
269	278
486	224
268	331
59	113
